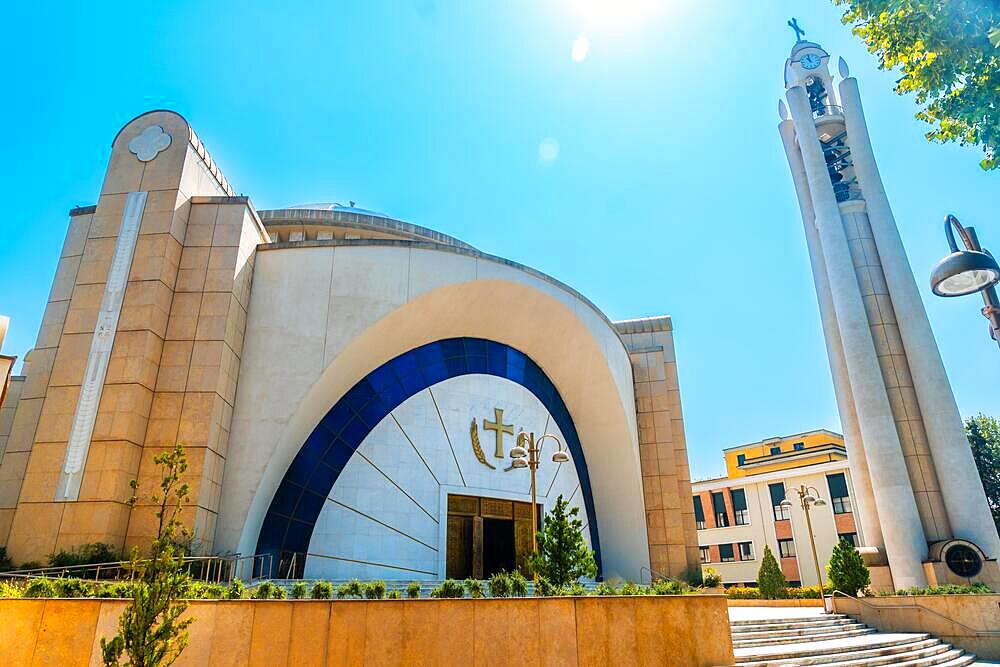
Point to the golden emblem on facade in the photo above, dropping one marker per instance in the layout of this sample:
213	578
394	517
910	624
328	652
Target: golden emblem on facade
499	429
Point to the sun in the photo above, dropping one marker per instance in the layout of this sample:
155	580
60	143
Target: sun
614	15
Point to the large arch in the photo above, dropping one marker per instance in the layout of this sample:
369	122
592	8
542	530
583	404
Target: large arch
296	505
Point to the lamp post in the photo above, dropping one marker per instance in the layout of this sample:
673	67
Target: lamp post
809	498
530	457
966	271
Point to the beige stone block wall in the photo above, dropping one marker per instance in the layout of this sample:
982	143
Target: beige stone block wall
173	367
666	477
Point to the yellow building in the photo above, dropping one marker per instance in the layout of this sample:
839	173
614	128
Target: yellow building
738	514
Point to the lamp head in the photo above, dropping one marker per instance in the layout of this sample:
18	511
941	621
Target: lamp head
518	452
809	498
785	503
964	272
519	463
819	503
560	457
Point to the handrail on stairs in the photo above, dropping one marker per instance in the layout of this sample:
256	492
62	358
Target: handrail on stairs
918	607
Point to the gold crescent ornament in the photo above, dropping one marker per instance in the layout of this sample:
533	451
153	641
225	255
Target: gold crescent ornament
476	448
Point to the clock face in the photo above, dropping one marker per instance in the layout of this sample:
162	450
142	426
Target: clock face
810	61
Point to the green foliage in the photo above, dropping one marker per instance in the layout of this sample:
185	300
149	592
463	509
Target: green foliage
9	590
374	590
984	437
394	594
949	589
350	589
118	590
206	591
278	593
518	585
694	576
632	588
770	579
544	588
947	51
669	587
413	590
575	589
846	570
499	585
150	630
449	588
563	556
86	554
73	588
753	593
743	593
322	590
5	562
40	588
299	590
605	588
30	565
268	590
711	578
474	587
809	592
236	590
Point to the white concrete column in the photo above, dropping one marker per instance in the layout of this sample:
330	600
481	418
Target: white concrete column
905	544
864	498
958	478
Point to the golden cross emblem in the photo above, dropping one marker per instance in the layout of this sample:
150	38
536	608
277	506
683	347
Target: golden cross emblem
499	428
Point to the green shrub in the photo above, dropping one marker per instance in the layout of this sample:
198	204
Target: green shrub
413	590
575	589
474	587
605	588
321	590
118	590
278	593
299	590
5	562
711	578
9	590
86	554
263	591
770	579
499	585
847	570
947	589
544	588
808	593
374	590
30	565
449	588
205	591
743	593
73	588
562	556
632	588
518	585
40	588
350	589
668	587
236	590
394	594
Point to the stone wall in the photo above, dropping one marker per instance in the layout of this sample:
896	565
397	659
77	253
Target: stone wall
547	631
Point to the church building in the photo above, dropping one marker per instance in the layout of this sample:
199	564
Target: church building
348	388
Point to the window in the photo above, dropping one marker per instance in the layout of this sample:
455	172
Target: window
775	451
719	507
799	446
726	553
839	495
741	459
786	548
705	557
699	514
741	516
746	550
850	537
777	497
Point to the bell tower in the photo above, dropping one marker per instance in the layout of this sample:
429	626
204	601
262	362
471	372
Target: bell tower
922	509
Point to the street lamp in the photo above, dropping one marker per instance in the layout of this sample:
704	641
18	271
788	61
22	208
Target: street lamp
809	498
530	457
966	271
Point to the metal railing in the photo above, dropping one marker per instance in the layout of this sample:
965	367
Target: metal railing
210	569
919	608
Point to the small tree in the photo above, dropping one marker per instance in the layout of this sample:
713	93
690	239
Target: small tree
150	631
984	438
770	578
563	556
847	571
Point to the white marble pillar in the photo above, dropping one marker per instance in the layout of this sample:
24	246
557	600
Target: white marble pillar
864	497
964	498
905	544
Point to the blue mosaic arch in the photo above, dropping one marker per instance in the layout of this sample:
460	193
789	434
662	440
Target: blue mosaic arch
288	525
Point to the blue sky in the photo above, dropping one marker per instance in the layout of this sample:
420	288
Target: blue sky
665	189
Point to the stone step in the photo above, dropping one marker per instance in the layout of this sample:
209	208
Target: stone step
815	637
809	653
769	626
952	657
795	620
801	631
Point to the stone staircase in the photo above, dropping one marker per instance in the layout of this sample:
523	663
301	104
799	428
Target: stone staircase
836	640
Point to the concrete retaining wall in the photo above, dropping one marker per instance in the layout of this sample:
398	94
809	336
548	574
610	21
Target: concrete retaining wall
683	631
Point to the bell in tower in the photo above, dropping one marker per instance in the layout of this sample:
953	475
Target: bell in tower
923	512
